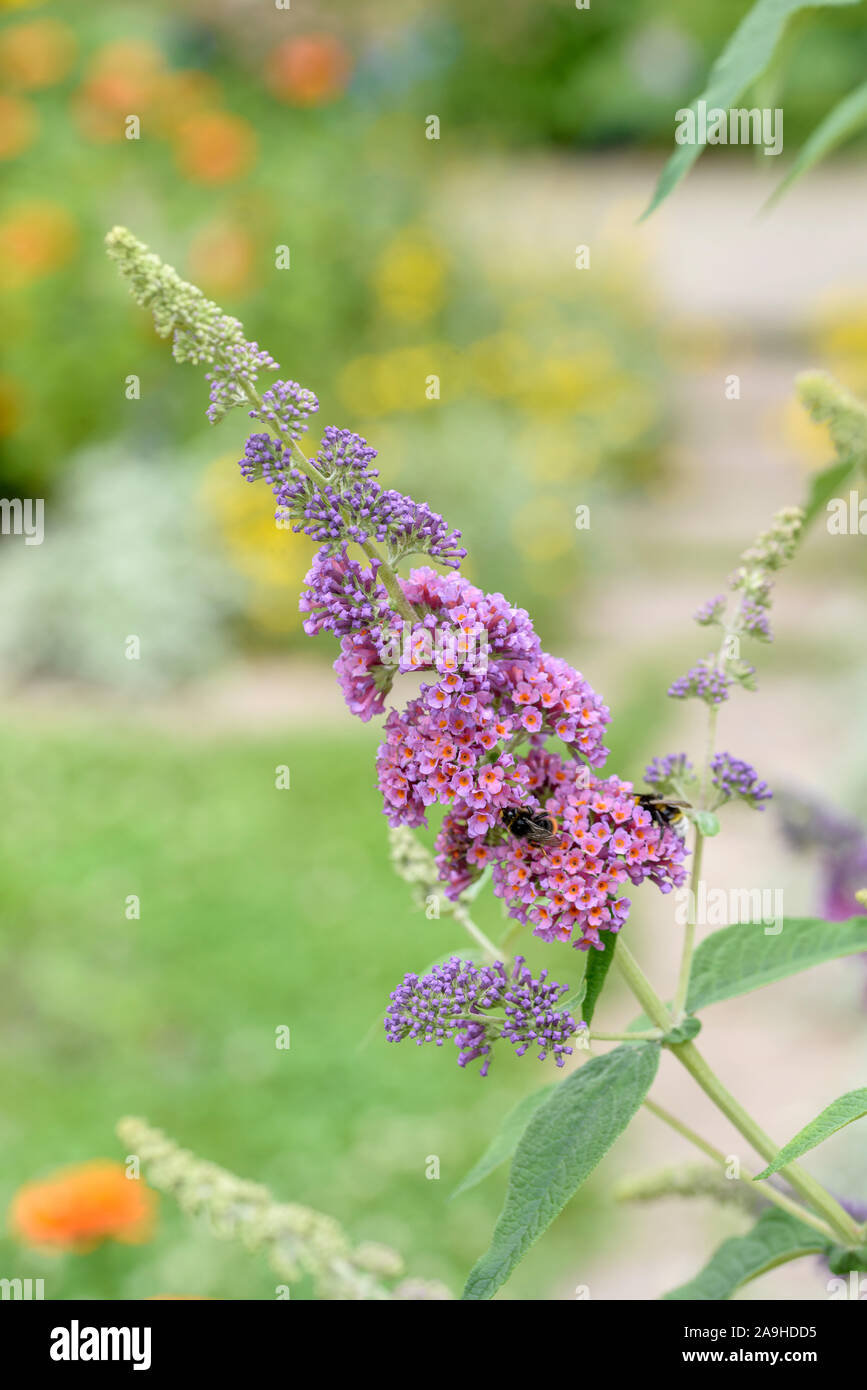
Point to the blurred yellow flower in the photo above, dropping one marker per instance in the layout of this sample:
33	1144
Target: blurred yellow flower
806	438
378	384
36	54
567	383
409	276
542	530
841	336
497	364
555	452
273	559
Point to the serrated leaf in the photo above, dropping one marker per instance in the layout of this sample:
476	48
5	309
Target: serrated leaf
835	1116
598	965
842	121
558	1150
775	1239
743	957
506	1140
743	60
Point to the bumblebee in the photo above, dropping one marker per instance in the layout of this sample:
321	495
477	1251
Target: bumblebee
537	827
662	812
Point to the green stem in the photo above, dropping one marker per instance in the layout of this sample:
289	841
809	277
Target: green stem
679	1008
460	914
648	1035
710	744
842	1224
511	934
763	1190
641	986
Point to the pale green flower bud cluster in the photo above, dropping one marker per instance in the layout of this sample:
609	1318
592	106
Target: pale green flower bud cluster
831	404
296	1240
776	546
413	862
688	1180
201	333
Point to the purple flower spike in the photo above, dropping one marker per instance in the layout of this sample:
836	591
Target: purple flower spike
660	771
452	1001
734	778
287	406
704	681
350	506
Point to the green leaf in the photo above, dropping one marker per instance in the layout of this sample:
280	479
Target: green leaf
776	1238
690	1028
824	485
743	60
706	822
740	958
505	1141
842	121
844	1261
573	1003
835	1116
598	965
559	1149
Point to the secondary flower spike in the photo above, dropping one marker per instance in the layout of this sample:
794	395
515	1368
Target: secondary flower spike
453	1002
744	615
733	778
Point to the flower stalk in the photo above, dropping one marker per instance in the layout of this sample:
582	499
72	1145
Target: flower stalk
840	1222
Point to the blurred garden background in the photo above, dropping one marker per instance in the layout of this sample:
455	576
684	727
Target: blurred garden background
559	387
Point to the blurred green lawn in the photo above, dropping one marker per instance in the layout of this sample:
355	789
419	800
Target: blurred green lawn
259	908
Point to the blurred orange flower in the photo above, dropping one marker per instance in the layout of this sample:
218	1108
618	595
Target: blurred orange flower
221	258
122	80
215	147
181	93
79	1207
309	71
36	238
17	125
36	54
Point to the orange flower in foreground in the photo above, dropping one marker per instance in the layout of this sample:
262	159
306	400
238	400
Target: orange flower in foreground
309	71
79	1207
